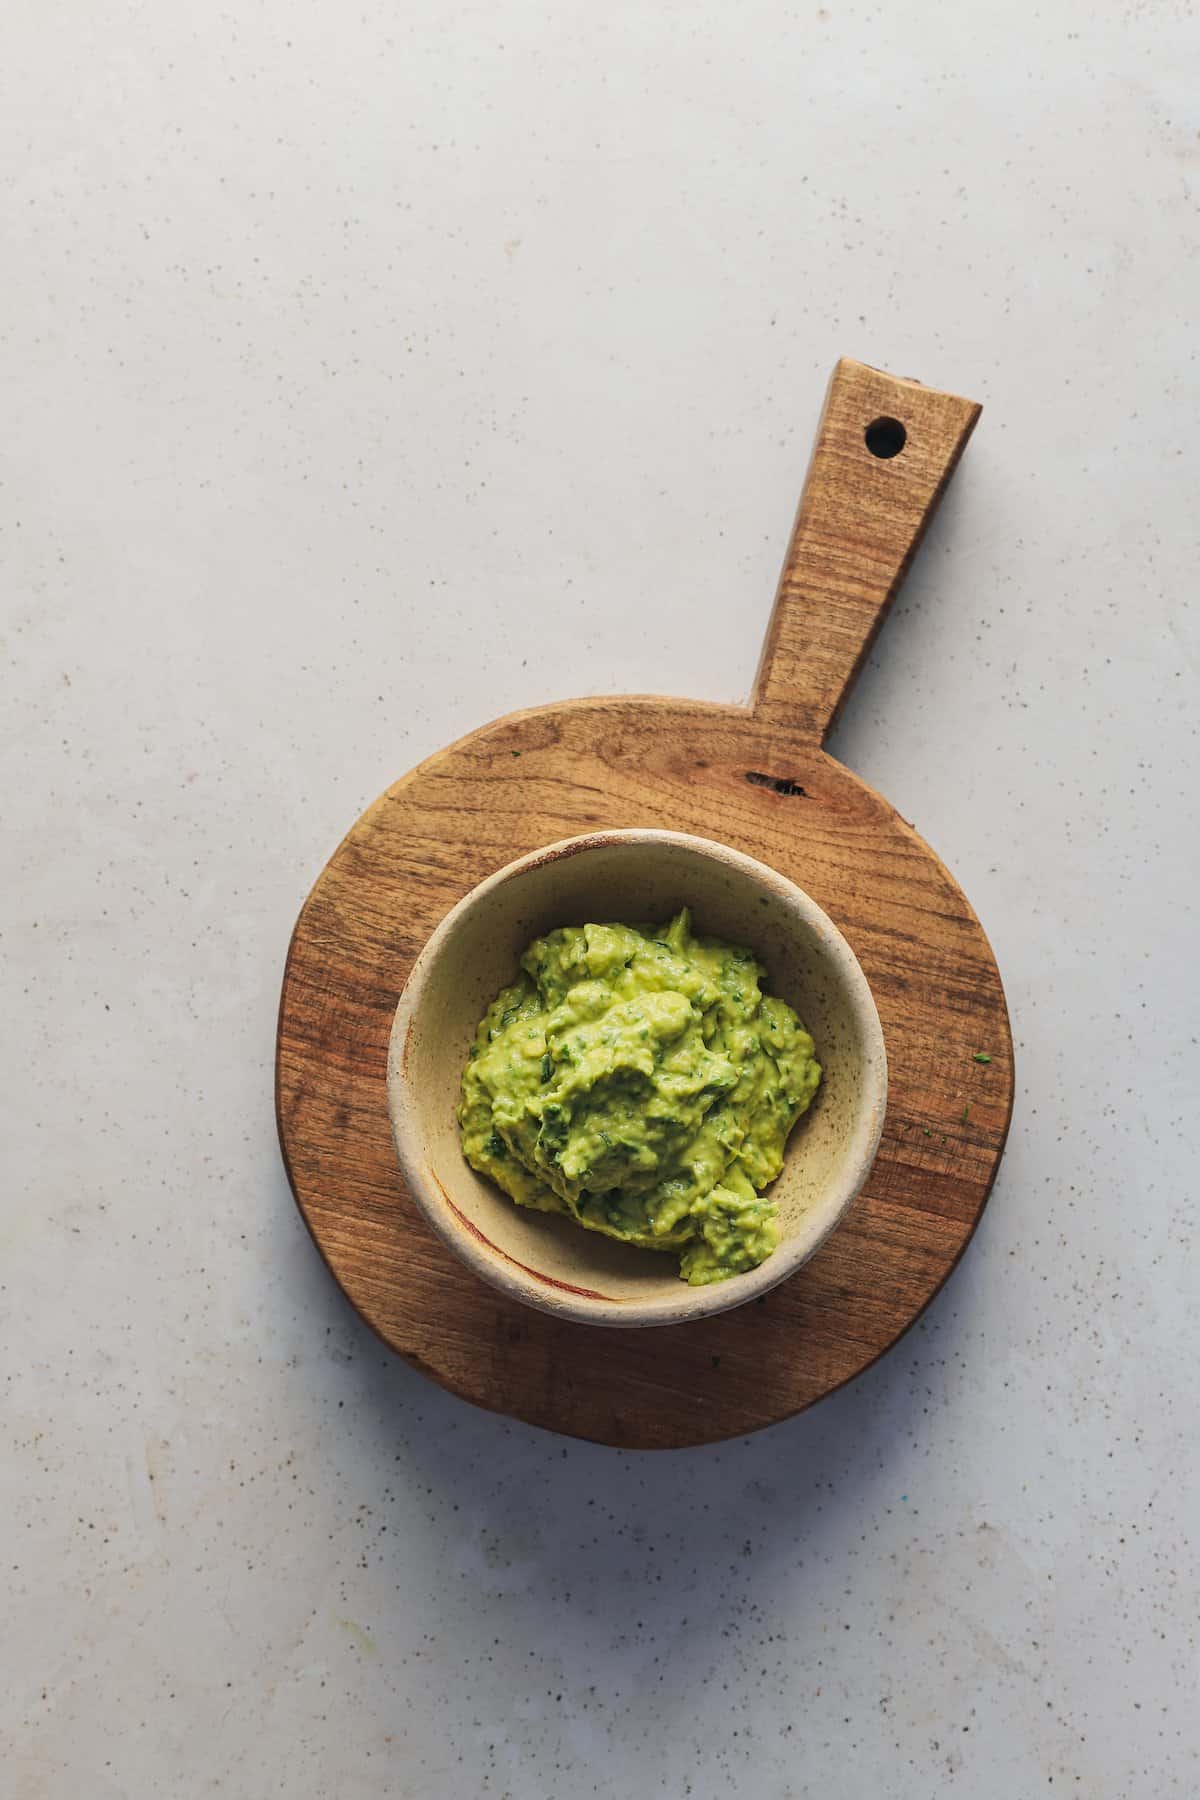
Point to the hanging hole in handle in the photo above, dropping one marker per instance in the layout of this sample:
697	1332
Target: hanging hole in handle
885	437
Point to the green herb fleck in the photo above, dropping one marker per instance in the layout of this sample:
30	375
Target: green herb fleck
981	1056
514	753
927	1131
966	1113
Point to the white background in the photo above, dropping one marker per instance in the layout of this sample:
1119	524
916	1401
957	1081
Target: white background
368	371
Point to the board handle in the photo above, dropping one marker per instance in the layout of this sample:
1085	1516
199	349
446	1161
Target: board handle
885	450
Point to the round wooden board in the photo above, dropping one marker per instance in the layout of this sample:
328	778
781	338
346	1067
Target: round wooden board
756	779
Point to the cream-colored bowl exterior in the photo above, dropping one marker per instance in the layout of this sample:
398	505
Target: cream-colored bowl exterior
545	1260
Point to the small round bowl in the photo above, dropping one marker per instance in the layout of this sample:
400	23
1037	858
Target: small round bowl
545	1259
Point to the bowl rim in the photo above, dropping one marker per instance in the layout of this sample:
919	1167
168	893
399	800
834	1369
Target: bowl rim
564	1300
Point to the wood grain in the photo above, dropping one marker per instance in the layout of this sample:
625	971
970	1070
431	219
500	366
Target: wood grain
756	779
859	523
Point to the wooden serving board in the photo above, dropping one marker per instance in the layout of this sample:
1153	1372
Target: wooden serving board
756	778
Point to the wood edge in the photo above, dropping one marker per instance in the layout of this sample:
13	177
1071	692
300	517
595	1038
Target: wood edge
969	411
413	1357
851	365
809	720
947	874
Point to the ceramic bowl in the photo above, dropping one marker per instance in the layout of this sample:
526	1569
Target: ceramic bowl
545	1260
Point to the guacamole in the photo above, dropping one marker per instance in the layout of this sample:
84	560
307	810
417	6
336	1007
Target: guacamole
637	1079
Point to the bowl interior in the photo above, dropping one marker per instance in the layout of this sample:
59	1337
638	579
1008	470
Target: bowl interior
546	1259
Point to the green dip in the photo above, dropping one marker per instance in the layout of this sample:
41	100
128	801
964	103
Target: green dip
638	1080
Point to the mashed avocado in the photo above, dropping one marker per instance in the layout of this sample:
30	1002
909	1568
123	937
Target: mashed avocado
638	1080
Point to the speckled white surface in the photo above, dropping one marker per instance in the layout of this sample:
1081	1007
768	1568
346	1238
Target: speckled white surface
369	371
